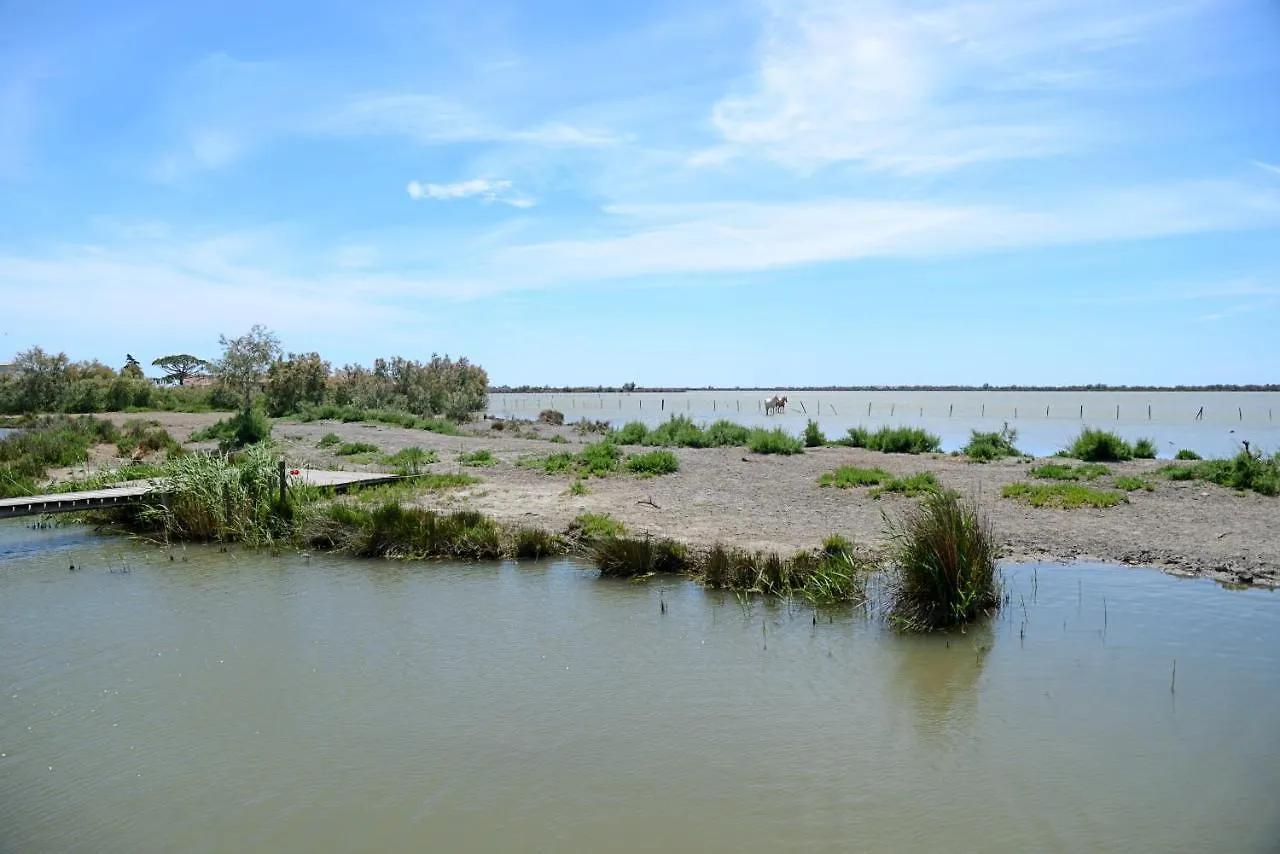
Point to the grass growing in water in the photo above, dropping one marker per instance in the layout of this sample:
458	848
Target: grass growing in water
392	530
1098	446
830	576
944	557
1059	471
1065	495
629	557
653	463
985	447
478	458
893	440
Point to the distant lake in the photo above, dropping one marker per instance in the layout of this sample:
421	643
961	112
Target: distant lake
1210	423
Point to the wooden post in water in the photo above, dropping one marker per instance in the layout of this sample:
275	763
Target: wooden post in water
893	407
1200	414
284	482
868	409
1240	410
951	410
739	403
1015	413
1046	412
664	403
1082	412
984	410
1117	412
1148	412
802	409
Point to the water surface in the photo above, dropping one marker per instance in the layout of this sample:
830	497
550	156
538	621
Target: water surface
243	702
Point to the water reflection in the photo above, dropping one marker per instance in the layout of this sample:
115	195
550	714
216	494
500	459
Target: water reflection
936	678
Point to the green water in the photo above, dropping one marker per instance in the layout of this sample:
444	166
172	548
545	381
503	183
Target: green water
241	702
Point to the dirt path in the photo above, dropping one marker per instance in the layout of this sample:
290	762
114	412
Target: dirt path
730	496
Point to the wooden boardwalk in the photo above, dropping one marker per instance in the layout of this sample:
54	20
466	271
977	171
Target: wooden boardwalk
133	492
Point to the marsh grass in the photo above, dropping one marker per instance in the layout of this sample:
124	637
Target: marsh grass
238	431
813	435
944	564
351	449
599	459
1099	446
1131	483
1186	454
1144	449
410	461
680	431
1061	471
140	437
892	440
910	486
352	414
832	575
653	463
45	443
775	441
328	440
985	447
631	557
535	544
848	477
394	531
1247	471
1067	496
482	457
590	527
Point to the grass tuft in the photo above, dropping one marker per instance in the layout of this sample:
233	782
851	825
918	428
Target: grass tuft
482	457
1060	471
944	556
631	557
350	449
1068	496
239	431
775	441
1144	449
1186	454
411	460
985	447
328	440
653	463
847	477
1130	483
893	440
813	435
596	526
1099	446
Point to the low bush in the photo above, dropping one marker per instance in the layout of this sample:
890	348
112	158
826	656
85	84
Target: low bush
410	461
238	431
632	433
350	449
813	435
944	557
551	416
1059	471
985	447
911	486
1247	471
1130	483
596	526
847	477
1099	446
45	443
775	441
893	440
328	440
1064	495
139	438
1186	454
1144	449
653	463
478	458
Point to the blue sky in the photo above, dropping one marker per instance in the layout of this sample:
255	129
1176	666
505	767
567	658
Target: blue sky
729	193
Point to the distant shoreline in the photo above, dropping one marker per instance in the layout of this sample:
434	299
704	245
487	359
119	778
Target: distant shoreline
1270	387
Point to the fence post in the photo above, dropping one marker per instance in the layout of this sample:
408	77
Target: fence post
893	407
868	409
951	410
1148	412
1117	412
1082	412
1240	411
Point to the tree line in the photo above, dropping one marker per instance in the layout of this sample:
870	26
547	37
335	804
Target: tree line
252	372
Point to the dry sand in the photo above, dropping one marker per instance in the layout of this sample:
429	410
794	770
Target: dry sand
734	497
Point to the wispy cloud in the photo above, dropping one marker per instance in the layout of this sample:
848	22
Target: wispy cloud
1269	167
925	88
486	189
18	114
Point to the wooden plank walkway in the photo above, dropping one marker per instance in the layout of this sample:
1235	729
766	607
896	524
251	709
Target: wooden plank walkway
133	492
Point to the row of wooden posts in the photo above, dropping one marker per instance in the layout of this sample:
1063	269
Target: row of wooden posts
893	408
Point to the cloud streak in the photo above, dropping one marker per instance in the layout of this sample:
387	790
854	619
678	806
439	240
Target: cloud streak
486	189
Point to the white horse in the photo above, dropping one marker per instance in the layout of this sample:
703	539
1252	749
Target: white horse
775	404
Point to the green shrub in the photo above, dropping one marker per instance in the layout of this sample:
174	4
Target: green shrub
911	486
146	437
478	458
352	414
775	441
350	449
653	463
628	557
238	431
1099	446
1186	454
632	433
944	556
596	526
893	440
600	459
551	416
410	461
1064	495
577	488
846	477
1058	471
558	440
1144	449
329	440
1246	471
813	436
985	447
1132	484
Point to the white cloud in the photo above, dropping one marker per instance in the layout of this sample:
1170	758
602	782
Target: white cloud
1269	167
487	190
913	87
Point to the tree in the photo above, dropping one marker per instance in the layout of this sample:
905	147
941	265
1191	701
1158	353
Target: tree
132	368
181	367
42	378
296	381
245	360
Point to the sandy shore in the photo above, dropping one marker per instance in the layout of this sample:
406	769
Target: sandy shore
730	496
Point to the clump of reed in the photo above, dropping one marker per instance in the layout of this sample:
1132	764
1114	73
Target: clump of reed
1103	446
1247	471
653	463
892	440
813	435
631	557
45	443
395	531
1067	496
483	457
988	446
944	555
1060	471
535	544
139	438
411	460
239	431
220	498
831	575
393	417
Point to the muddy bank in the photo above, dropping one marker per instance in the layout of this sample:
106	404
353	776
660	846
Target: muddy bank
734	497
